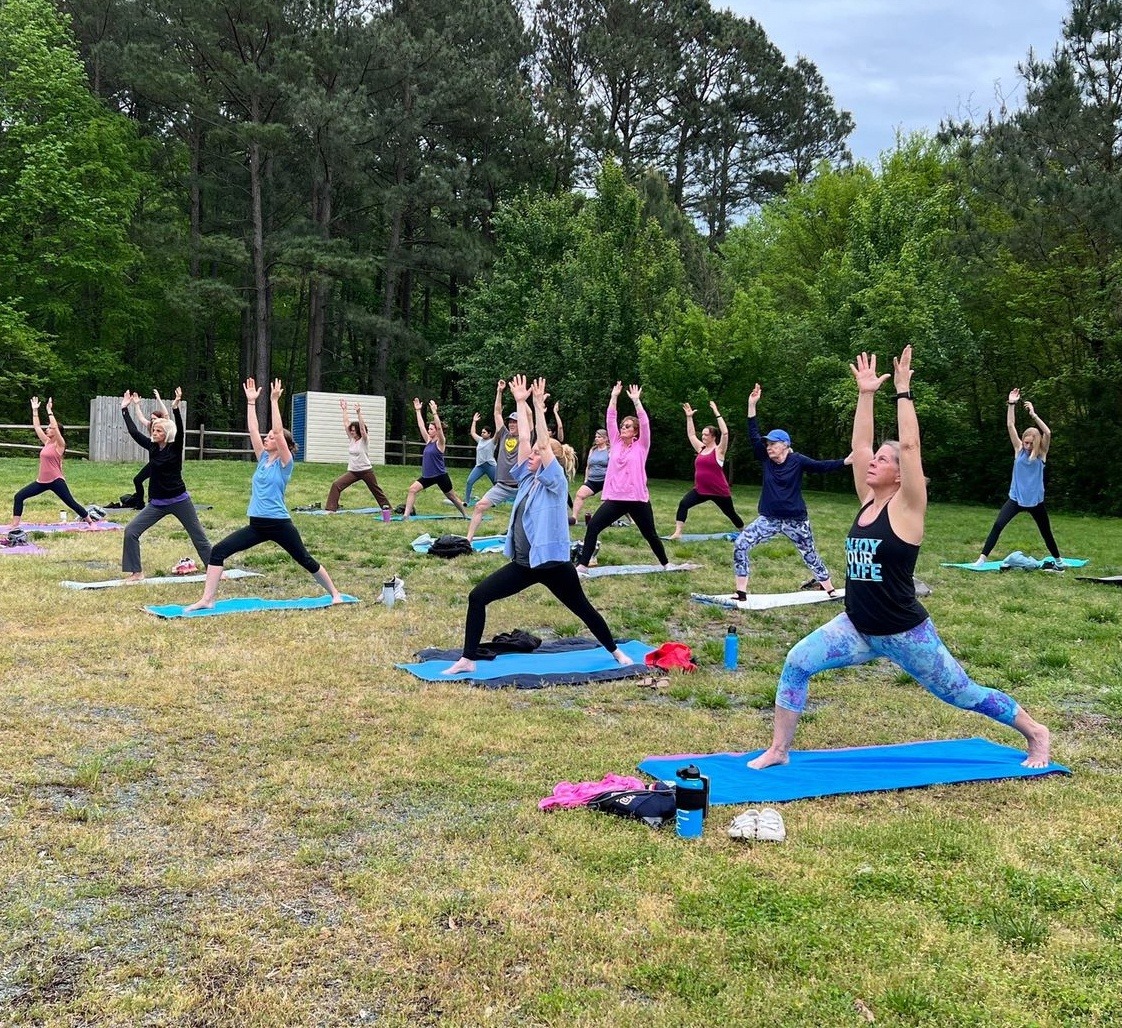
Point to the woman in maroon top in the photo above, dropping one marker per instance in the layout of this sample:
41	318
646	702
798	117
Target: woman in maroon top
709	482
50	477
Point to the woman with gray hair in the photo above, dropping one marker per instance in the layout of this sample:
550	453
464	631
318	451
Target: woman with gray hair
167	493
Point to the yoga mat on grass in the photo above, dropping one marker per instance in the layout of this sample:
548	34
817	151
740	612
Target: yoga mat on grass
112	583
245	605
997	565
767	601
862	769
686	537
69	526
636	569
1109	580
484	544
27	550
555	662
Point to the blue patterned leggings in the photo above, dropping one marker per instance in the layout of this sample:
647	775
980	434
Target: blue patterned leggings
765	528
920	652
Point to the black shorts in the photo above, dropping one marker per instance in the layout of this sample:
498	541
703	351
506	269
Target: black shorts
441	481
595	487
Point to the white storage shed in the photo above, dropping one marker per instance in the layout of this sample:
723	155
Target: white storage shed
317	426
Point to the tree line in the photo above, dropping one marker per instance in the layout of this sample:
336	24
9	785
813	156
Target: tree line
414	198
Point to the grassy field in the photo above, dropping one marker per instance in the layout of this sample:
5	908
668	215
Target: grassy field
257	821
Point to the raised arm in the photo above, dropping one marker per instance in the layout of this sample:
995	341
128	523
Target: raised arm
163	410
474	429
363	431
127	400
520	390
557	420
138	413
252	390
723	445
612	418
180	434
441	442
635	393
912	498
345	411
500	421
542	445
60	443
759	448
691	431
283	452
861	441
43	437
1011	420
421	427
1045	431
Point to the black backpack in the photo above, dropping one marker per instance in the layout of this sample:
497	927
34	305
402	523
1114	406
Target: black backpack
654	806
449	546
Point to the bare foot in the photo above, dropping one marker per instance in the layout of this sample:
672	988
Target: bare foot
203	604
1039	749
676	535
769	758
582	570
136	576
463	664
337	598
622	659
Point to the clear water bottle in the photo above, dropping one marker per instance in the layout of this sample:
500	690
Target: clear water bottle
732	648
691	801
388	592
62	517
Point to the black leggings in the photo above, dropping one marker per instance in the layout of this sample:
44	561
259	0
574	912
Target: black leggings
640	511
560	579
58	487
1008	512
724	504
260	530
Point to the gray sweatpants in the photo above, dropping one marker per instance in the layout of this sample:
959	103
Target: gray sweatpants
184	510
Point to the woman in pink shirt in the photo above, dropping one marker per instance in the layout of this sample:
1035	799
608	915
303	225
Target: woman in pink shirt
50	477
625	485
709	482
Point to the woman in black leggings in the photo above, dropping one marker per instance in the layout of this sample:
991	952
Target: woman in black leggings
1026	491
537	539
50	477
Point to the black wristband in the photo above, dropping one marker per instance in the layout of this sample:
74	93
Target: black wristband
1011	403
904	396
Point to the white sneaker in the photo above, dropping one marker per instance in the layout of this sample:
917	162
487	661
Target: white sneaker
744	825
770	827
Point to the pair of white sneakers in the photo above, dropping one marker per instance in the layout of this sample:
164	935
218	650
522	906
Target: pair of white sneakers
764	825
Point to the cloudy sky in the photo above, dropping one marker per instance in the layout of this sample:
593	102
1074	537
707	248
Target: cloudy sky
907	64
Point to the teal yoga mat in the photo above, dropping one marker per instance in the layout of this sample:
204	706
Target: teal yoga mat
997	565
246	605
566	667
862	769
484	544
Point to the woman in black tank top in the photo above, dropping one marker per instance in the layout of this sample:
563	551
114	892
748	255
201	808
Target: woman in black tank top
882	616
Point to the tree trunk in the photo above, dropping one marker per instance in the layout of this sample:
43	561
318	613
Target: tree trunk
262	358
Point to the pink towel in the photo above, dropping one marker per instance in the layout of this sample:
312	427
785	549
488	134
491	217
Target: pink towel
569	794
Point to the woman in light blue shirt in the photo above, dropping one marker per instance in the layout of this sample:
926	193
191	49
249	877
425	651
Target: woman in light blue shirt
1026	491
484	458
269	520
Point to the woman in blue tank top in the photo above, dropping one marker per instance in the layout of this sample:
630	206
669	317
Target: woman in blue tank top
1026	491
882	616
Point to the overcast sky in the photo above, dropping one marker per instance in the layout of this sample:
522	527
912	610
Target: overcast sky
907	64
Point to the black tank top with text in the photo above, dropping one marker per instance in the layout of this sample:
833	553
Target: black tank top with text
880	594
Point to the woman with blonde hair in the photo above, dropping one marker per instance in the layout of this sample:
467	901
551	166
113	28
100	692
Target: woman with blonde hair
167	493
1026	491
882	616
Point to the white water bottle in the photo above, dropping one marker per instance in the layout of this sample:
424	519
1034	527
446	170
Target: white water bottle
388	593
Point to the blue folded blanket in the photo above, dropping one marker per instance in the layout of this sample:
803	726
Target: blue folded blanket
556	662
862	769
245	604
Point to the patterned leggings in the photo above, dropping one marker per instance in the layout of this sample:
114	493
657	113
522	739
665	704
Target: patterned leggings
920	652
765	528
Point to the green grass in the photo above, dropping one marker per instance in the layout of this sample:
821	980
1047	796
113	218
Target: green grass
258	821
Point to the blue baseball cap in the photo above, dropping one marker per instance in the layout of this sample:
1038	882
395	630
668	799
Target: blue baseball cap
777	435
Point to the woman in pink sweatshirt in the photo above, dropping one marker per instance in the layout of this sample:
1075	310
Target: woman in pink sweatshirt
625	485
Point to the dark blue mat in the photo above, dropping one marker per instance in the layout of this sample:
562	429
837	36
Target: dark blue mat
556	662
863	769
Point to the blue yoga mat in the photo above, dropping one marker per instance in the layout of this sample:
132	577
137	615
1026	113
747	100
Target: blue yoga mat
606	570
997	565
244	605
564	662
484	544
863	769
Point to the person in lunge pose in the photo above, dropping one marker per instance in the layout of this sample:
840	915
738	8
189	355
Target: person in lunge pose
506	452
709	482
625	485
882	616
50	478
167	493
1026	491
595	469
484	457
269	520
538	536
782	508
433	469
359	468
